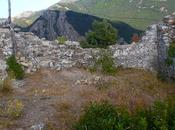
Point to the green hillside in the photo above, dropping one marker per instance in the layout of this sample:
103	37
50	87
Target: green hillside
26	21
138	13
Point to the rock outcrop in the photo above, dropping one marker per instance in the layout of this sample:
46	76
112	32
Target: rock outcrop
53	24
34	53
72	25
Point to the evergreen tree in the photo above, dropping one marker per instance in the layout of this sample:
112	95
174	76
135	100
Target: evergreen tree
102	34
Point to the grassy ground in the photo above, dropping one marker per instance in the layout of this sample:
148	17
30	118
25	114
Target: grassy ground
59	98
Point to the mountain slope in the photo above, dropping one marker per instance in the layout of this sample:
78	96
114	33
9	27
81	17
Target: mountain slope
138	13
26	21
72	25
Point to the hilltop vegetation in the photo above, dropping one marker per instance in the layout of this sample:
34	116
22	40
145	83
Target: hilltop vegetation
137	13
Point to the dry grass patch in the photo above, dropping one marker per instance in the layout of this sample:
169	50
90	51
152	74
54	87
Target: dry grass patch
6	123
66	115
6	86
131	88
12	109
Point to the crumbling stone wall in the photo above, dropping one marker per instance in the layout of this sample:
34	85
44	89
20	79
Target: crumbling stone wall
34	53
139	55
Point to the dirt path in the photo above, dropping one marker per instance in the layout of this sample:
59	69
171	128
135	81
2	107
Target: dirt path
57	99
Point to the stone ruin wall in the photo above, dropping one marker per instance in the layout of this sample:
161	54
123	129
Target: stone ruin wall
34	53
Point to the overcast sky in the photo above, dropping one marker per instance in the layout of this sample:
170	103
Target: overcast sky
19	6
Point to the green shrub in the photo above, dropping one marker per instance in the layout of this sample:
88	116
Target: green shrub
169	61
15	68
171	54
104	116
61	39
85	44
156	117
161	76
171	50
105	63
102	35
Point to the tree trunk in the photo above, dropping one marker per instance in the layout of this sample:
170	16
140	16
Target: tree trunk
9	10
14	46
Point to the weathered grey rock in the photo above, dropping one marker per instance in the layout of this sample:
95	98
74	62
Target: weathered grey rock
39	126
52	24
138	55
3	67
34	53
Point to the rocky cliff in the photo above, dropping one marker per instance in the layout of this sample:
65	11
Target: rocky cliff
34	53
72	25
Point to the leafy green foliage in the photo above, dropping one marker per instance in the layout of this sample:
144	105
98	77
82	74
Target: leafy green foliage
102	35
107	63
171	54
161	76
15	68
104	116
169	61
171	50
61	39
104	63
123	10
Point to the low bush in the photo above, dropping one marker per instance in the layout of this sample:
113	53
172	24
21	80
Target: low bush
171	50
161	76
15	68
105	63
61	39
171	54
104	116
14	108
169	61
85	44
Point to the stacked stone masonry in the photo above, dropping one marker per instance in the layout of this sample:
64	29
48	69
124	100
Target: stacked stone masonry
34	53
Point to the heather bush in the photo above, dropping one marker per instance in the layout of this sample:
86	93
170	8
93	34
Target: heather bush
15	68
61	39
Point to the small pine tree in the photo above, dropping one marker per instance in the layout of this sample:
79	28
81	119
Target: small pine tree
15	68
102	34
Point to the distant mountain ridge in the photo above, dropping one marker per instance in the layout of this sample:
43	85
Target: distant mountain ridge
126	15
72	25
137	13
